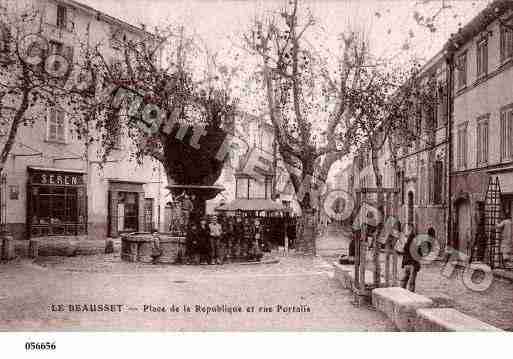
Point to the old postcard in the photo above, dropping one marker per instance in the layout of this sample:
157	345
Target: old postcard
298	165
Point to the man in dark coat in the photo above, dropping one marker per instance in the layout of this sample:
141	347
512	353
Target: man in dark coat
238	234
247	238
411	256
192	243
204	241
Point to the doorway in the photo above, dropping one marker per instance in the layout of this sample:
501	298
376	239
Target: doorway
463	227
411	216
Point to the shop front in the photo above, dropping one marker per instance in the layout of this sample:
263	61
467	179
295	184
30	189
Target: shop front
56	202
126	207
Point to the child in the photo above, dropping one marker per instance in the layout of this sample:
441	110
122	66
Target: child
156	250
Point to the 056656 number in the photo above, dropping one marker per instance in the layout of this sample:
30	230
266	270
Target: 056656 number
40	346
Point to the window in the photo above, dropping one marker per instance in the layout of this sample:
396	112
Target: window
129	201
56	48
461	65
438	182
62	16
506	43
482	57
422	185
242	187
56	125
482	142
418	121
506	134
462	147
442	105
56	203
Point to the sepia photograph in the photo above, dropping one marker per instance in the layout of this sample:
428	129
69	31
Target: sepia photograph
255	166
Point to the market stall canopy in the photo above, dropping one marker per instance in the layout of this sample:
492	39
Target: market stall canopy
244	204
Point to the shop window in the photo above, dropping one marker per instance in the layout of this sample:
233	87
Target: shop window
128	211
56	204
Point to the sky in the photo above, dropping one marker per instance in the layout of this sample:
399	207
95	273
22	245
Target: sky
389	23
392	30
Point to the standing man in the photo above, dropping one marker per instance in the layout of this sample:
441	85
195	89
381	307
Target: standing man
247	238
203	238
256	243
411	264
238	234
215	238
187	208
505	227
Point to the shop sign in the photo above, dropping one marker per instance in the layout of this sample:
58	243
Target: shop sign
56	178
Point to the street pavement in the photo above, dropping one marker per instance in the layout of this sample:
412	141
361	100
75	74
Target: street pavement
493	306
300	292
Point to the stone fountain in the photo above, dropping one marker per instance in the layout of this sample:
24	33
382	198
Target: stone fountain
192	168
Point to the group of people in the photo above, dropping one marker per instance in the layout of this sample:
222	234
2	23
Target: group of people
406	245
225	239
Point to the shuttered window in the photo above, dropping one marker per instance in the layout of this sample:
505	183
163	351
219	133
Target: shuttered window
482	57
462	70
438	182
506	43
56	125
506	135
462	147
482	142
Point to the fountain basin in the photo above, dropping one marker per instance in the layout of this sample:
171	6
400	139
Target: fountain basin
138	247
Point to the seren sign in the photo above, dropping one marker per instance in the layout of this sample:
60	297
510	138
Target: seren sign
56	178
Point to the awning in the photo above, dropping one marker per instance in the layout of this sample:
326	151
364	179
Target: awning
242	204
55	169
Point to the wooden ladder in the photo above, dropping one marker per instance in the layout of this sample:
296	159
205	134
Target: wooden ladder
492	218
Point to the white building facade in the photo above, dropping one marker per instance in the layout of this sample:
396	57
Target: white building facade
55	184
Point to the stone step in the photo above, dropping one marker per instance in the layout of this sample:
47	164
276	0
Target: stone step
400	305
449	320
345	275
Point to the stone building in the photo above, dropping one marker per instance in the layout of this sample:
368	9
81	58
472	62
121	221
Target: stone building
482	121
419	174
254	133
54	184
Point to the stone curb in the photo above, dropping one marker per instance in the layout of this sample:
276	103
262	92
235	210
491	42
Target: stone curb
449	320
412	312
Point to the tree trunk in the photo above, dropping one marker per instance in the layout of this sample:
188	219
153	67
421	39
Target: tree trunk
379	181
13	131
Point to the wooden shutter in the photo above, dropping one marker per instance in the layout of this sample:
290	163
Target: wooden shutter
52	124
465	147
485	57
51	14
509	133
503	137
479	143
485	144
